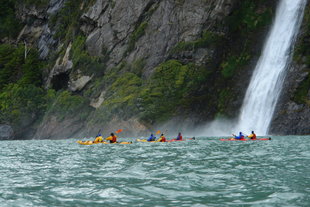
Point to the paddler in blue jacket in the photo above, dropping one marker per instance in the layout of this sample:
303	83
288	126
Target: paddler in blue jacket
241	136
151	138
179	137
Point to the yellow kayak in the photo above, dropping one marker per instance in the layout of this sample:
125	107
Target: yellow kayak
144	140
91	142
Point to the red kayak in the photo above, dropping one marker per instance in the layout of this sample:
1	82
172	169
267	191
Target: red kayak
175	140
258	139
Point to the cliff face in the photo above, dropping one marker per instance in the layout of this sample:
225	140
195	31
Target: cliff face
148	29
138	64
132	39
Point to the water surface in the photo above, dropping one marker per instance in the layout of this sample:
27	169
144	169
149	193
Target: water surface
205	172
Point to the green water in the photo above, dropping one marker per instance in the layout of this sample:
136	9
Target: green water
205	172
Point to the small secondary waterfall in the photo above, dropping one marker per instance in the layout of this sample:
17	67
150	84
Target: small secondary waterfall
266	83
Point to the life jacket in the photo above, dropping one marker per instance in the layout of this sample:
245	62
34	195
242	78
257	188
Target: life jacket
179	137
112	139
252	136
163	139
151	138
241	136
98	139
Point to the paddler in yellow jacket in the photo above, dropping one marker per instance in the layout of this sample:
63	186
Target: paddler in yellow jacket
162	138
252	136
112	138
98	138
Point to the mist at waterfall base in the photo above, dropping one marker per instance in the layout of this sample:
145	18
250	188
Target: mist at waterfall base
268	77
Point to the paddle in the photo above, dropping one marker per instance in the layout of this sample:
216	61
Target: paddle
95	136
233	137
98	133
119	131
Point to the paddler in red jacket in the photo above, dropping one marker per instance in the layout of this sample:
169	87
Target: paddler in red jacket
252	136
162	138
112	138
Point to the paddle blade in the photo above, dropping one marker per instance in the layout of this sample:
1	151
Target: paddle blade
119	131
158	132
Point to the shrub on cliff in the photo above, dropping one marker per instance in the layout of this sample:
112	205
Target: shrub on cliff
15	68
9	25
22	98
64	104
170	88
21	104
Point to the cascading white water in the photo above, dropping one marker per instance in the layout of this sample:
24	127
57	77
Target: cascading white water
266	83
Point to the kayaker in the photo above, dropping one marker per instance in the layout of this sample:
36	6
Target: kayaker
240	136
98	138
179	136
151	138
162	138
112	138
252	136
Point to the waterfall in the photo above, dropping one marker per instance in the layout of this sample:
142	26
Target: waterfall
268	77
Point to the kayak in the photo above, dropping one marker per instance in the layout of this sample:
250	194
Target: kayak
258	139
175	140
144	140
92	143
172	140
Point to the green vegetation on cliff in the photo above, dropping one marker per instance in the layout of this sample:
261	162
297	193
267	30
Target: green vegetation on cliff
9	25
232	64
139	32
154	100
250	16
82	60
64	104
301	94
21	97
39	3
207	39
171	88
20	105
66	21
122	95
15	68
